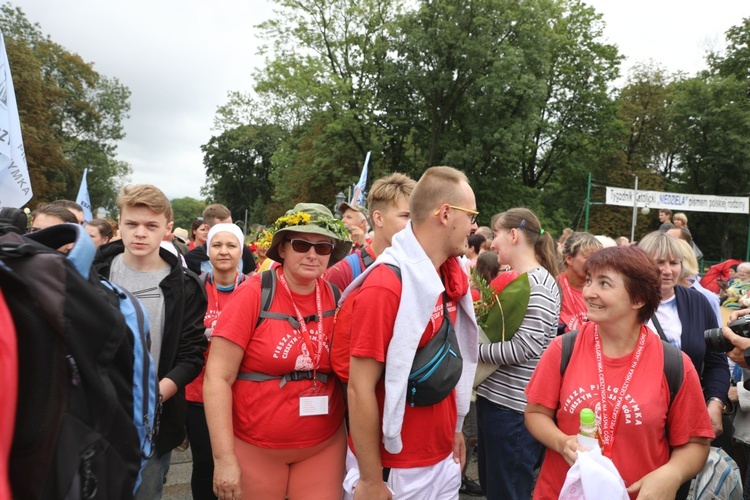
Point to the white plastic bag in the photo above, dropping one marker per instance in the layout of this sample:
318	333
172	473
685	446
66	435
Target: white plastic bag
593	476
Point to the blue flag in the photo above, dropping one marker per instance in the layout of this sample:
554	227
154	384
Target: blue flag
358	198
83	198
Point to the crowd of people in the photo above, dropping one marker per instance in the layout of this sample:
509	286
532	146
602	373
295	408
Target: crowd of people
336	357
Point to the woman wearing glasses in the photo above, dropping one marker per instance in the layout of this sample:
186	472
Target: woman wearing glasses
507	451
277	430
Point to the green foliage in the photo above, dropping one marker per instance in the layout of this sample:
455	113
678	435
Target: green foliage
186	210
71	116
320	83
711	117
735	60
238	168
518	95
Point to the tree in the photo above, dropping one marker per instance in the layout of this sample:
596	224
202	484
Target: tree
186	210
735	60
711	118
513	93
71	116
238	168
648	138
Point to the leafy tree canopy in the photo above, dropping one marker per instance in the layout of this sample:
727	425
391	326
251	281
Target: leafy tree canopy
186	210
520	96
71	116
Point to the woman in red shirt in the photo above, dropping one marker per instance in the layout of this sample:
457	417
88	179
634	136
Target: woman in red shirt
224	250
576	250
198	233
616	369
275	410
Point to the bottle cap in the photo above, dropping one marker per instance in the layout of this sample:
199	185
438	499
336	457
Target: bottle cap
588	418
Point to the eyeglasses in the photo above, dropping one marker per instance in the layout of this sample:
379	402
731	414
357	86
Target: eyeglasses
303	246
474	213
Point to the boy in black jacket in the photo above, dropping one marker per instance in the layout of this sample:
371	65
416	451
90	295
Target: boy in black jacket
176	304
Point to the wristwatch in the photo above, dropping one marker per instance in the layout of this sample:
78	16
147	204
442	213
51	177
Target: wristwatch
714	398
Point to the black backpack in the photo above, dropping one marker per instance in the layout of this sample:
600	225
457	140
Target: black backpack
74	435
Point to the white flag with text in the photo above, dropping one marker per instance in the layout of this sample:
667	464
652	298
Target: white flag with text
15	185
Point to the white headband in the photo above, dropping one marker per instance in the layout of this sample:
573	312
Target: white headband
225	227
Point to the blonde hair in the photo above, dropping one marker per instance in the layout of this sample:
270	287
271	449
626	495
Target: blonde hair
680	216
145	195
581	242
386	190
659	245
436	187
689	262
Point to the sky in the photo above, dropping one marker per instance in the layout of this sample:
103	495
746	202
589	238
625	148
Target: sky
181	58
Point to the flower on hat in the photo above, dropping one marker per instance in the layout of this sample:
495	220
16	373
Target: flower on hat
297	219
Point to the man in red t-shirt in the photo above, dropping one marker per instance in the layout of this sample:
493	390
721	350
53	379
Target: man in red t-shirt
397	449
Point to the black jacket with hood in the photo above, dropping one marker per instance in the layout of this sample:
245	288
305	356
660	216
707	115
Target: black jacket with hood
183	339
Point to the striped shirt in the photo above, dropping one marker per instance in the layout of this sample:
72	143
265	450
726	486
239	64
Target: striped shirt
519	356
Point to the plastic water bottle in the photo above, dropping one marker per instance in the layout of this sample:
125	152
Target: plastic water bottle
588	435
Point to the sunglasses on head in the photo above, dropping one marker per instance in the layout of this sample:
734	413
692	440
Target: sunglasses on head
303	246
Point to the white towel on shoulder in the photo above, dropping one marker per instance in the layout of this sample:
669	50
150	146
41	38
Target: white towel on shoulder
420	289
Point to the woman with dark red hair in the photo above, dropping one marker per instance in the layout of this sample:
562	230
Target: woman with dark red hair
616	368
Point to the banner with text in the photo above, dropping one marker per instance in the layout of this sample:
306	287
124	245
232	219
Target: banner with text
679	202
15	184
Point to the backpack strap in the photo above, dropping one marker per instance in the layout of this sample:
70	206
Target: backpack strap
336	296
659	329
354	264
673	369
367	258
268	290
262	377
568	341
396	270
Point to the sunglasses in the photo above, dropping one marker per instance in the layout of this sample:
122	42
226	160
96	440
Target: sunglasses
303	246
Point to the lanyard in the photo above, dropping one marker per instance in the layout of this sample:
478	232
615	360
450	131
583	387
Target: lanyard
213	290
314	353
608	426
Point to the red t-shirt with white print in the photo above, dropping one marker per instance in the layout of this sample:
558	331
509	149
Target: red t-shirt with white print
263	413
640	442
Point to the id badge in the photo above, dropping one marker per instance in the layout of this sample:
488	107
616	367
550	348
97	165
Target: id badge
311	402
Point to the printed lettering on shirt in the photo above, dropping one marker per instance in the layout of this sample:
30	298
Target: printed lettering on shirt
209	321
581	397
437	313
576	320
294	344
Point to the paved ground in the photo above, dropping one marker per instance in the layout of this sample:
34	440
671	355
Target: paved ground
178	479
